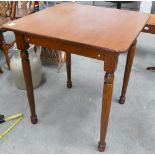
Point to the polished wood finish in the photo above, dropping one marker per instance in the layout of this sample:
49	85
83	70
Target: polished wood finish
58	44
151	20
128	67
27	74
109	67
150	25
68	68
75	29
81	24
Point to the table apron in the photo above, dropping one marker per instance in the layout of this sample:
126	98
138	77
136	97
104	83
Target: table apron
66	46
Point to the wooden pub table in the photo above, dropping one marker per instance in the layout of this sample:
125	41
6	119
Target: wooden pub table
95	32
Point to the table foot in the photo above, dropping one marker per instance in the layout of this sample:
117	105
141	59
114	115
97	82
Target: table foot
22	46
150	68
128	67
34	119
1	70
68	67
101	147
69	84
122	100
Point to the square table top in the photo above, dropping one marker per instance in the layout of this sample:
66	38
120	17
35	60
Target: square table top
104	28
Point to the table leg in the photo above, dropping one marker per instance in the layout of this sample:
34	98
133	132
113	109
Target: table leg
150	68
106	101
5	50
68	68
29	85
1	70
128	67
27	76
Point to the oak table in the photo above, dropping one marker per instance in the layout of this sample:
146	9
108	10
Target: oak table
95	32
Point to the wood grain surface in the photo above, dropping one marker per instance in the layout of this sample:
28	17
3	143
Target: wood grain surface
110	29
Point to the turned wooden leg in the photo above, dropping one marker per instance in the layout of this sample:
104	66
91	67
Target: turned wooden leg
27	75
29	85
109	67
68	67
106	104
1	70
128	67
5	50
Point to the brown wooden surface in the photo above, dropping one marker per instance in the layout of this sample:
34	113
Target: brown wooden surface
89	25
27	74
68	68
151	20
110	65
150	25
58	44
128	67
95	32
